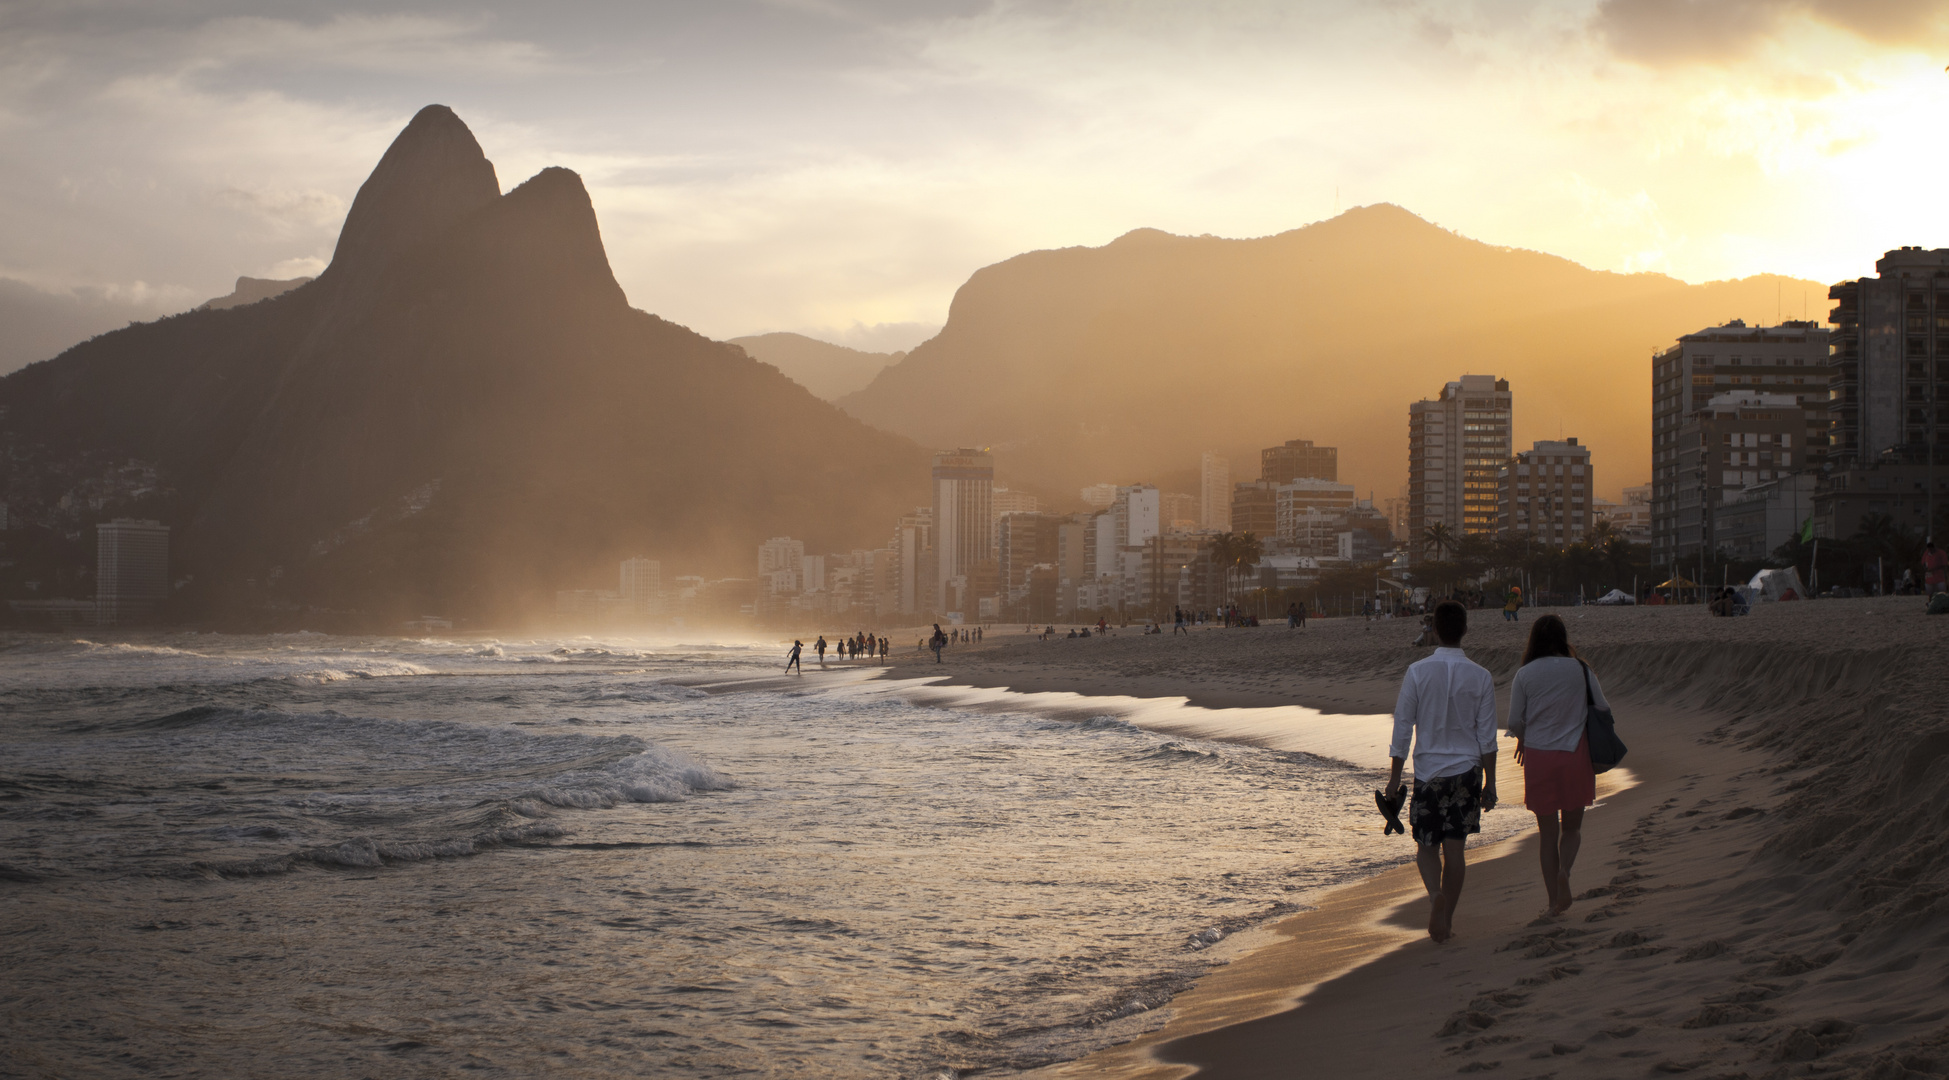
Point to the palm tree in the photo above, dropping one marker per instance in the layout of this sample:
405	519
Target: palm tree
1439	537
1232	553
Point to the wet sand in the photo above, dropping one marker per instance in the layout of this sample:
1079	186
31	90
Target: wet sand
1768	897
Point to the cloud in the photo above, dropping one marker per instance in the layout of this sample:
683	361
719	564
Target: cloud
1727	32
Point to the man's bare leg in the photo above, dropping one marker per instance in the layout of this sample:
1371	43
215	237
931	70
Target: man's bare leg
1566	847
1427	859
1454	868
1546	824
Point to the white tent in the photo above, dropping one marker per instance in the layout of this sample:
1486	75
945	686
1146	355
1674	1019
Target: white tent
1615	596
1780	584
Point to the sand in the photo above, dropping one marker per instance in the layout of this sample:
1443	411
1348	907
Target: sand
1766	894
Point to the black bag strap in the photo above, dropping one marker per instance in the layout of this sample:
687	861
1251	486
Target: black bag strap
1590	700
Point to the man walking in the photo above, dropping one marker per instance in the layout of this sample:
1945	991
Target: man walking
1448	706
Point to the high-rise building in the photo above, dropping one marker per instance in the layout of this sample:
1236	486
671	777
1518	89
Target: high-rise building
964	536
642	585
131	570
1255	508
1299	459
1214	493
1178	512
1307	505
1890	385
910	565
1457	445
1027	540
1789	363
1099	496
1548	494
1738	441
781	563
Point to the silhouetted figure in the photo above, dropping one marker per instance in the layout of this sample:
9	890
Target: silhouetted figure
820	648
937	642
792	658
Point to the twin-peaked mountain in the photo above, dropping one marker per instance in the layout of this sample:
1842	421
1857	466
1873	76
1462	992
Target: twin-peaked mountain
1121	363
460	415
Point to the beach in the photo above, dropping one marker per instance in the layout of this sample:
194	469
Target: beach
1764	894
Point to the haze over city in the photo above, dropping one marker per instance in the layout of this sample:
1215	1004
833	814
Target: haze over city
826	539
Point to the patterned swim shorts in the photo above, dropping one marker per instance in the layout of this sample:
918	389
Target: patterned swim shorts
1446	808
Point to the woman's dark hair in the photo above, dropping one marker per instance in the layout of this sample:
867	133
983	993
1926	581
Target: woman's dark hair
1548	637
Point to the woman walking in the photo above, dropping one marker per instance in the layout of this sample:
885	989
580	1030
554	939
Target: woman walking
1546	715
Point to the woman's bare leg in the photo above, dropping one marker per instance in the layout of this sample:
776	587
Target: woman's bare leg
1572	839
1546	823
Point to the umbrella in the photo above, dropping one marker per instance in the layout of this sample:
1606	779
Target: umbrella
1679	583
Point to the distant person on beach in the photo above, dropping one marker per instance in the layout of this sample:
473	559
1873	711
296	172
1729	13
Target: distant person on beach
792	658
1448	707
820	648
1546	715
1935	569
1512	602
937	642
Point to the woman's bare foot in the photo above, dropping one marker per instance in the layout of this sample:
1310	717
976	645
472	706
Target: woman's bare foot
1561	897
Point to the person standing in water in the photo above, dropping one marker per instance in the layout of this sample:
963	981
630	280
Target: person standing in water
792	658
1547	703
819	647
1448	706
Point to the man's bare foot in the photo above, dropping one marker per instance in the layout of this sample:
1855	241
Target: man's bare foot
1438	921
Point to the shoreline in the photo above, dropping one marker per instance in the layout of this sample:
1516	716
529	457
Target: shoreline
1716	857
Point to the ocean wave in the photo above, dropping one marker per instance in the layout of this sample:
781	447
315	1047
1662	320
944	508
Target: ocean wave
1183	753
365	852
364	669
657	775
652	693
124	648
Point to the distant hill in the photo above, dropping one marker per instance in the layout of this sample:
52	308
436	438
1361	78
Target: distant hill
250	290
829	371
1123	362
461	415
36	324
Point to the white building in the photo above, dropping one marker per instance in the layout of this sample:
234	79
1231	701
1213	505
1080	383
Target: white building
780	553
131	569
1214	493
1630	519
642	581
964	522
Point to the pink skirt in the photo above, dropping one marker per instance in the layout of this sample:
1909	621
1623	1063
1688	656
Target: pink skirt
1559	779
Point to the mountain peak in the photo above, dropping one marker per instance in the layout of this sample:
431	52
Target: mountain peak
432	175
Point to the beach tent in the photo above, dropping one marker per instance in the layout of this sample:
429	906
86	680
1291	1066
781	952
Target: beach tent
1780	584
1615	596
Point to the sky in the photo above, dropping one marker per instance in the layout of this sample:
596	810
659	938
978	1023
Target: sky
840	167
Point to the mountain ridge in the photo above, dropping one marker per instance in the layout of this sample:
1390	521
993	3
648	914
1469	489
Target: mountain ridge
1123	362
830	371
461	415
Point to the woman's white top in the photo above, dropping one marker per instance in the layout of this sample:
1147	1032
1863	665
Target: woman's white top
1546	703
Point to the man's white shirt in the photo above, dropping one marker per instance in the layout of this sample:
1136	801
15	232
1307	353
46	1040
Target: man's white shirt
1448	706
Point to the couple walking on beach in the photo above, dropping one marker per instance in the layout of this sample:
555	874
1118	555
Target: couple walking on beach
1448	707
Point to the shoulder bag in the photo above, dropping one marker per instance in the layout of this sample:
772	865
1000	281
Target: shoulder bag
1606	749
